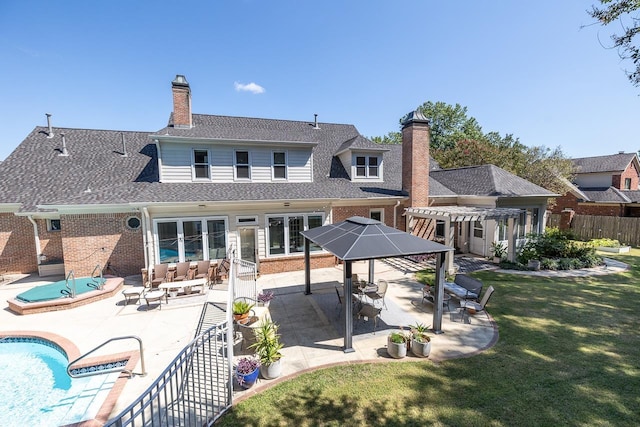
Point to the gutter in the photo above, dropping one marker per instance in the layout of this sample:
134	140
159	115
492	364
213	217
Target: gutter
36	236
395	214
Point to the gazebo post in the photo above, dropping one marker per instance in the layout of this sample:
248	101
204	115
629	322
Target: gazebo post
439	294
307	268
348	311
371	272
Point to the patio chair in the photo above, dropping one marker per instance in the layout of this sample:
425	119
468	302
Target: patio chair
370	312
467	305
380	293
205	270
354	300
182	271
159	274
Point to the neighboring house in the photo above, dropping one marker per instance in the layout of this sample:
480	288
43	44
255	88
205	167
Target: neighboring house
206	185
603	185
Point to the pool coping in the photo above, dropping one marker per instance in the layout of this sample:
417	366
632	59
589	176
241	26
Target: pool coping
111	286
72	352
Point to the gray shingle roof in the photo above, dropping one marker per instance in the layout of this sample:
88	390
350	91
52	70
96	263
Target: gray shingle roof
605	195
484	180
611	163
35	174
633	195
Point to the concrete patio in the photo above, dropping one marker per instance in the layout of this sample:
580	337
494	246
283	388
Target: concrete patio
312	326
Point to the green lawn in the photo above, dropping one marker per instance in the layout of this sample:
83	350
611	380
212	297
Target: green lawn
568	354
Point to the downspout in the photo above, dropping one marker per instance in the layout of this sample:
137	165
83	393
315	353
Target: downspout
395	214
36	236
146	226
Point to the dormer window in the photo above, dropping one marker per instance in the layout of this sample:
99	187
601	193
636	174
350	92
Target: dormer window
279	165
201	168
242	168
367	167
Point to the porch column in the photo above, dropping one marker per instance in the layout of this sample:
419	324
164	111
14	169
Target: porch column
511	233
348	312
439	292
449	237
307	268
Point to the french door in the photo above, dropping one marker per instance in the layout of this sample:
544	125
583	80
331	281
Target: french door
190	239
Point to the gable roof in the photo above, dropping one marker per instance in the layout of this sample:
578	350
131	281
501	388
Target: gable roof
483	180
611	163
605	195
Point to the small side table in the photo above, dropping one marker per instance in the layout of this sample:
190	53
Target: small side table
428	296
131	293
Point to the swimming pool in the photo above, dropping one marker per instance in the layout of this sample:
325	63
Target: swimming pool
35	389
59	289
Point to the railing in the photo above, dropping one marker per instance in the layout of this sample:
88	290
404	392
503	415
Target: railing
194	390
100	284
243	275
72	289
115	369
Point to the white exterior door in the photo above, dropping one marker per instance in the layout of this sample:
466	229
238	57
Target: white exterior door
248	244
477	238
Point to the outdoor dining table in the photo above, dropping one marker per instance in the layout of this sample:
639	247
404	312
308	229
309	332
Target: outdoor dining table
360	290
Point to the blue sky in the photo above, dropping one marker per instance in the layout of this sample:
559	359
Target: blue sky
527	69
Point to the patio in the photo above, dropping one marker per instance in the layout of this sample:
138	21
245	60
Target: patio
311	326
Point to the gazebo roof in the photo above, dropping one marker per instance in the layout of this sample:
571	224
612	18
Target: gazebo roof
358	238
464	213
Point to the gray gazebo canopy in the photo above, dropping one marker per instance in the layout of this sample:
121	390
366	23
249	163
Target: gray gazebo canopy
358	238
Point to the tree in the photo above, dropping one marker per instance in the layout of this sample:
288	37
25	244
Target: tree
457	140
449	124
622	11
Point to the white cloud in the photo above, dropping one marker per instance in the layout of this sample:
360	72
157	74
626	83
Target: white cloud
249	87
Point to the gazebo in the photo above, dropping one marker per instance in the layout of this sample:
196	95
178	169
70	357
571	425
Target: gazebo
358	238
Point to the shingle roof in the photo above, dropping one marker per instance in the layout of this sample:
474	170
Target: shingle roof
611	163
633	195
605	195
34	173
95	163
484	180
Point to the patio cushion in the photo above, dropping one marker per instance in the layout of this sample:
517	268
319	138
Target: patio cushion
459	291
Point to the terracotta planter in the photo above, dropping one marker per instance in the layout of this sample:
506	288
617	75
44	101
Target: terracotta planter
241	318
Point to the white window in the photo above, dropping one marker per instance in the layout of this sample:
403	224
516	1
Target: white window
377	214
283	233
367	167
627	183
279	165
201	168
190	239
242	166
502	228
53	225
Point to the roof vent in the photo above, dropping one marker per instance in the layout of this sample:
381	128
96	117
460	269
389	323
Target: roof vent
315	122
124	146
50	132
621	152
64	151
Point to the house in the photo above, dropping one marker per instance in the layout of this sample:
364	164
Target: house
603	185
207	185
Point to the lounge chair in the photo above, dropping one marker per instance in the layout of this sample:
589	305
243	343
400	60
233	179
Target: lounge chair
369	312
159	274
182	271
467	305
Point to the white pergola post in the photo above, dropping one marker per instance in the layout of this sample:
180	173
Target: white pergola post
511	233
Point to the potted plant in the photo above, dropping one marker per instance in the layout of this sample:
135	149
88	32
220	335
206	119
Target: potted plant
247	371
420	341
241	311
267	348
265	298
499	251
397	345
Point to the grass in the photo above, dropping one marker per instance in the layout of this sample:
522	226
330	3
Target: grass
568	354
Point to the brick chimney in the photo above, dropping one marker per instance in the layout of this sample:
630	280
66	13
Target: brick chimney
415	159
181	102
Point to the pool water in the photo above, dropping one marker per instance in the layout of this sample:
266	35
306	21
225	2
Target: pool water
35	389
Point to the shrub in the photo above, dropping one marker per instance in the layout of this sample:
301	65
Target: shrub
607	243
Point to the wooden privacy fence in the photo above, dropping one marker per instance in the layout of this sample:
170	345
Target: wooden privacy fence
585	227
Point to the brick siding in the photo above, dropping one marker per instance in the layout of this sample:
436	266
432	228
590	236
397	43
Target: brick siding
282	265
181	106
92	239
415	163
17	245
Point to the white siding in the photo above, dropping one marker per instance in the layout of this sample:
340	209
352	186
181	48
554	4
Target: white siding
347	162
594	180
177	160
